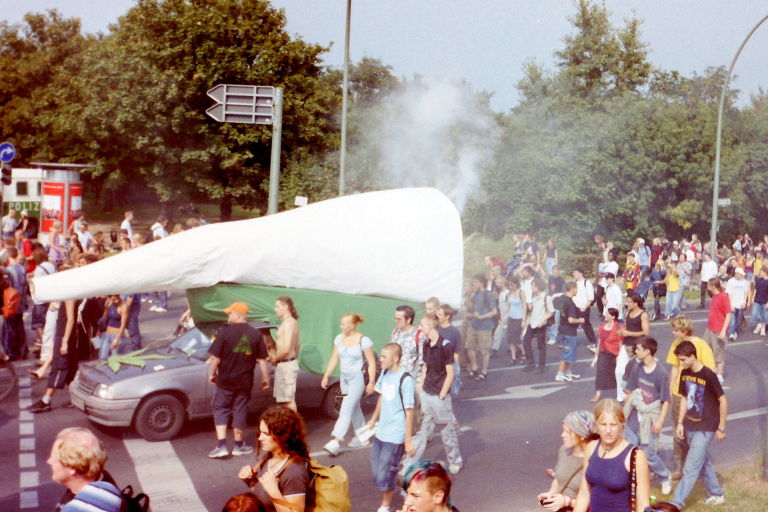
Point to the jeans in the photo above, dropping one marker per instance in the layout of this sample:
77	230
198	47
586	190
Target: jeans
132	326
738	316
673	302
759	315
352	386
552	329
549	263
385	461
655	463
437	412
568	347
457	384
657	303
698	462
103	343
703	293
159	299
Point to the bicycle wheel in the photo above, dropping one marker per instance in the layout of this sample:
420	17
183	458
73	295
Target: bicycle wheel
7	380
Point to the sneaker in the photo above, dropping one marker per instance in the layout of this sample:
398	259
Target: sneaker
242	449
153	308
219	452
714	500
39	406
757	329
551	341
161	310
592	348
721	379
573	376
732	336
356	443
666	486
454	468
382	509
332	447
562	378
762	331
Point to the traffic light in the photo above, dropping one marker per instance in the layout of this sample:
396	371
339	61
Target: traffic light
6	177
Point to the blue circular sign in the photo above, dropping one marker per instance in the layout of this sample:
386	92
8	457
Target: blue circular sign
7	152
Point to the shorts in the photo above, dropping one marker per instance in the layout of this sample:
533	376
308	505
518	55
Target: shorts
38	315
59	374
385	462
232	403
717	345
568	345
285	381
478	340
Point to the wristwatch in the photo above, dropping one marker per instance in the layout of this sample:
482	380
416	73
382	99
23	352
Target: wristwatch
721	430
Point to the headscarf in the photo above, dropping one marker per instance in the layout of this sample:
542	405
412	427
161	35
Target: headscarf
580	423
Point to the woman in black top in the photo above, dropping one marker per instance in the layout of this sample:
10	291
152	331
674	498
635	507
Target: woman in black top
636	325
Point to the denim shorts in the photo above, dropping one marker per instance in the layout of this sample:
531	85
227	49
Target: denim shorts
38	315
568	348
385	462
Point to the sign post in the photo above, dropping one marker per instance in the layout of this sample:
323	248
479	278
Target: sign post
253	104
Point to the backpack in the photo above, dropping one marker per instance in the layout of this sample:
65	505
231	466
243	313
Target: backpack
131	503
327	491
148	237
400	387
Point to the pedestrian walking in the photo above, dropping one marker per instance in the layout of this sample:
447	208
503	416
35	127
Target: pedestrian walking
718	323
759	299
350	349
234	354
540	312
738	290
583	299
708	271
609	346
287	349
570	319
483	310
516	308
636	325
409	337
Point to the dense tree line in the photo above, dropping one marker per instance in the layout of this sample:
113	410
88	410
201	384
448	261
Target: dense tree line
605	142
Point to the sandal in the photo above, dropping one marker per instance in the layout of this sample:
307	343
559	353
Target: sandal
481	376
35	374
472	374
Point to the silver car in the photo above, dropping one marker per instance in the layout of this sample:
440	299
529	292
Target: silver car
158	398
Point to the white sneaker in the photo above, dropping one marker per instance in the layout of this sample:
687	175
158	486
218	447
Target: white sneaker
732	337
560	377
721	379
333	447
592	348
757	329
153	308
714	500
573	376
762	331
382	509
454	468
666	486
551	341
357	443
161	310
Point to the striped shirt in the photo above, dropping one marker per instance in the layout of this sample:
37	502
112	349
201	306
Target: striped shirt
95	497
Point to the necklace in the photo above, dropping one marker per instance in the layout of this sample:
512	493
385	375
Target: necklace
609	449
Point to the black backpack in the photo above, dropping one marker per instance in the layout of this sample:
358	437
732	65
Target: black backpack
131	503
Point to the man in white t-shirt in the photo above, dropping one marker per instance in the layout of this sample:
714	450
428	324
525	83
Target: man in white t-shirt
708	271
613	297
84	236
9	224
585	296
738	291
126	225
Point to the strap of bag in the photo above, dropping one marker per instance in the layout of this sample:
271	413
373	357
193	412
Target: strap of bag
633	479
571	478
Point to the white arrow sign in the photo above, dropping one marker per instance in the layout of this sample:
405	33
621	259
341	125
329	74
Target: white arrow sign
527	391
250	104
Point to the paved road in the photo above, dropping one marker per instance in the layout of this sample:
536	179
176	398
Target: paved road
510	434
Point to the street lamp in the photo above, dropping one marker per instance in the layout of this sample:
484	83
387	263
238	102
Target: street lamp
344	97
716	189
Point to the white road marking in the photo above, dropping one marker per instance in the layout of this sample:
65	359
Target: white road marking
27	460
27	444
26	416
25	392
26	429
163	477
29	479
24	382
24	403
28	499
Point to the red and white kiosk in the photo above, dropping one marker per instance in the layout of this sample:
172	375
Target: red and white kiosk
62	193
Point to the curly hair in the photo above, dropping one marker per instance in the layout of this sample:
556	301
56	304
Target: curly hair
288	430
289	302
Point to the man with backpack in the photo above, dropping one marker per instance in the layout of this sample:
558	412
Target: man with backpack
394	411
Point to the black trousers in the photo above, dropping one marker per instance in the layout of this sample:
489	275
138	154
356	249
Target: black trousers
587	326
540	334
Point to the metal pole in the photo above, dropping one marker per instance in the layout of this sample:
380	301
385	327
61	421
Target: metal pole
716	186
274	163
344	98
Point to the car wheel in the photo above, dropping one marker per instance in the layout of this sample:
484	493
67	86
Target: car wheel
159	418
332	401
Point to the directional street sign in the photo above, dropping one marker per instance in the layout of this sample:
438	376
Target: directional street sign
250	104
724	202
7	152
525	391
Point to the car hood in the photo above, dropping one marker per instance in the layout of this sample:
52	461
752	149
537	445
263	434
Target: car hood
100	372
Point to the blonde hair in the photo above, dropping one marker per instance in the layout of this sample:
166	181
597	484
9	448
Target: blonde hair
683	324
609	406
80	450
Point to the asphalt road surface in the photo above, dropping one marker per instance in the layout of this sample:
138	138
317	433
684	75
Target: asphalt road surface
509	435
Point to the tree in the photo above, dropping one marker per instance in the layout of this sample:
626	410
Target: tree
147	116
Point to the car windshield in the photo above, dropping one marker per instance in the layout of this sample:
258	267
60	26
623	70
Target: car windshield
194	343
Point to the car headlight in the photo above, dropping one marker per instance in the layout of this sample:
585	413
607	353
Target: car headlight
104	391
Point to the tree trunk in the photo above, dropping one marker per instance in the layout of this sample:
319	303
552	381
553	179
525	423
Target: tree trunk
225	209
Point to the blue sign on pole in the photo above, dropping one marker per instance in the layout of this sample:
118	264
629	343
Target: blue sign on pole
7	152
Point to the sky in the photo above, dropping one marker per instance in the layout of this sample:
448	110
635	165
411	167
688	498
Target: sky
486	42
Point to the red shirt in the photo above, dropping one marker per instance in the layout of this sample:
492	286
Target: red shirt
610	340
720	307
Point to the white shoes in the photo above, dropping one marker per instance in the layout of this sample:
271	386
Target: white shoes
561	377
333	447
757	329
357	443
666	486
454	468
714	500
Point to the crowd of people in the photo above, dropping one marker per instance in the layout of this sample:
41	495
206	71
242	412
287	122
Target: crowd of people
523	305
